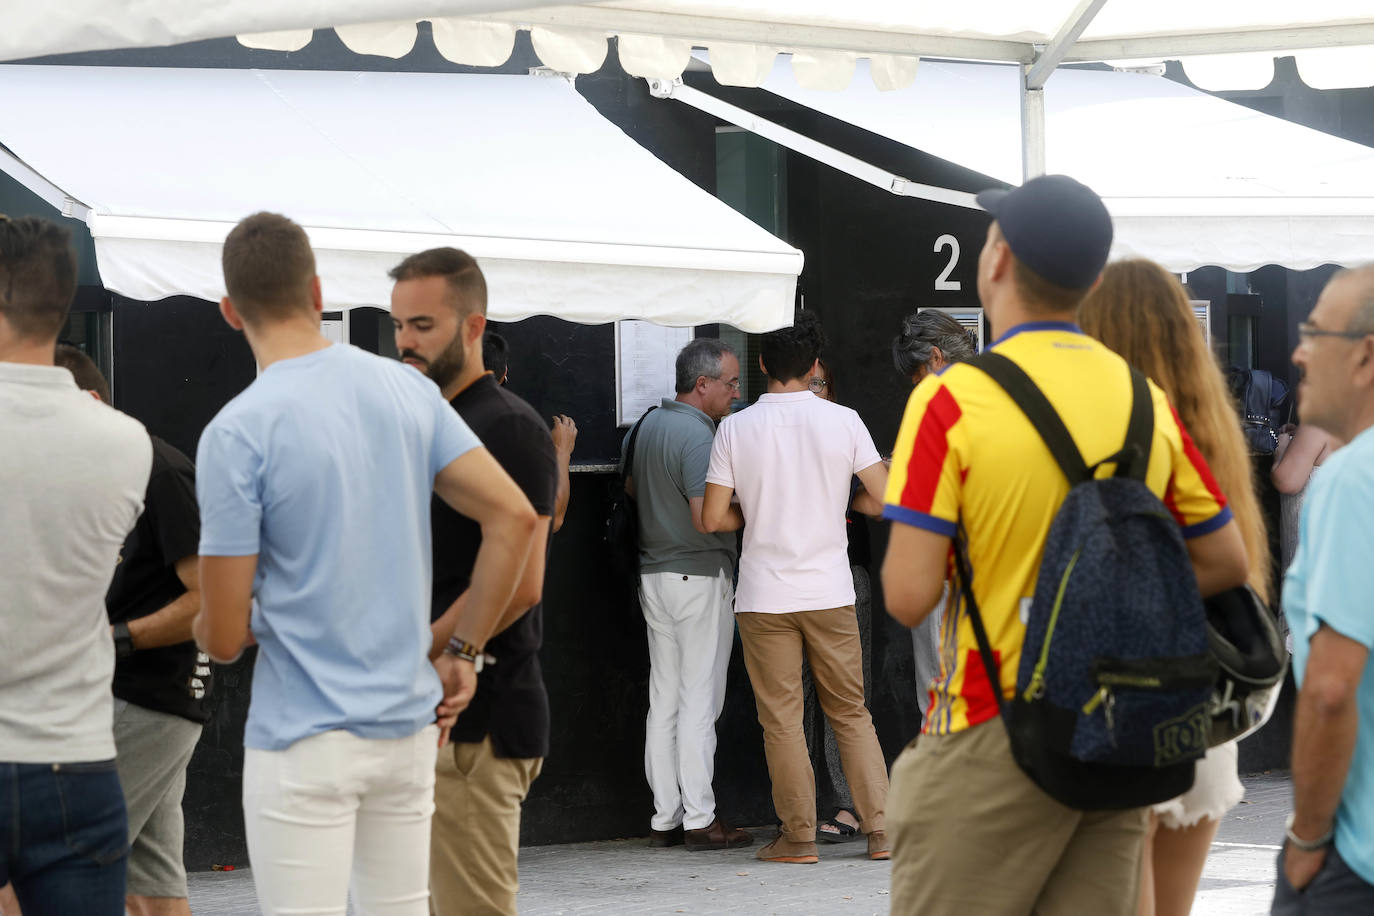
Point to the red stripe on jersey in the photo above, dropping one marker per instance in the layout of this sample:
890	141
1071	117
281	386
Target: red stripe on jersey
1198	462
929	450
981	699
1171	505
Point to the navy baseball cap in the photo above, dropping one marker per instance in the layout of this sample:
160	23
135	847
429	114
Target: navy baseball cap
1056	226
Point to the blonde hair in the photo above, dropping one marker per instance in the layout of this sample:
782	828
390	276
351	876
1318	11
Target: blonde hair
1141	311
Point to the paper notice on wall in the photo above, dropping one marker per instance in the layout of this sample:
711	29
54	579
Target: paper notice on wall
333	326
645	355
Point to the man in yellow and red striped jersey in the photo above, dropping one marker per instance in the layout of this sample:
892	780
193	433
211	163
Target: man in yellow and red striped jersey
971	832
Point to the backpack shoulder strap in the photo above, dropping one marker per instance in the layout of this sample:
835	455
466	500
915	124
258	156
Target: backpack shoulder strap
1038	410
627	468
1140	431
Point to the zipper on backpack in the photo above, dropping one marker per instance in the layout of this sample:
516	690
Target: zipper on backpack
1143	682
1036	688
1107	700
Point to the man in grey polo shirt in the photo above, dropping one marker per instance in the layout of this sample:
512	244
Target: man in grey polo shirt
686	592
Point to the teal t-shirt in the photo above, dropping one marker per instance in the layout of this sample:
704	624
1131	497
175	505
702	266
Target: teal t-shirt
1331	581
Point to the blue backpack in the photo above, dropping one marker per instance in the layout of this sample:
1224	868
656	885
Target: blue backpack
1111	704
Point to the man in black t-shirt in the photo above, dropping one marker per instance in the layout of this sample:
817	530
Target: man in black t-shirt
161	681
438	307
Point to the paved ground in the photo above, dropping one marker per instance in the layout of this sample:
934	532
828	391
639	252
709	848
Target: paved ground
625	877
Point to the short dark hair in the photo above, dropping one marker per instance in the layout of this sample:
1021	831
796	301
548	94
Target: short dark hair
1040	294
789	353
37	276
701	356
268	268
87	374
458	267
495	354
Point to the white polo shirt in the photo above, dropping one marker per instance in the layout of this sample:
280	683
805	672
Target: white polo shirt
791	458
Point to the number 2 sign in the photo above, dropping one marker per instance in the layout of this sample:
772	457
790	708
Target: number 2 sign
943	282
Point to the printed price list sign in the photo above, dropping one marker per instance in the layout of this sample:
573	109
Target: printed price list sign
645	354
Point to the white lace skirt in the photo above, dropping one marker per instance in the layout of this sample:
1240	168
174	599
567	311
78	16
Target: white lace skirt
1216	790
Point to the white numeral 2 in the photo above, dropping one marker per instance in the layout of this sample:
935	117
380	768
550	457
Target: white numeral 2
943	282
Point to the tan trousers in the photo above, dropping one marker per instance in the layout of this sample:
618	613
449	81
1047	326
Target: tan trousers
475	839
773	647
972	834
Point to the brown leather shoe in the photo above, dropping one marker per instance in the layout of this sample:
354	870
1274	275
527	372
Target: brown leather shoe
717	835
785	850
878	846
670	837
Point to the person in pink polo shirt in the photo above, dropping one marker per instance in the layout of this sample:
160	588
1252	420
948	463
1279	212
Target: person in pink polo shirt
790	458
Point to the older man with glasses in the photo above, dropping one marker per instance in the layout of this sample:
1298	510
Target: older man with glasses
686	591
1327	863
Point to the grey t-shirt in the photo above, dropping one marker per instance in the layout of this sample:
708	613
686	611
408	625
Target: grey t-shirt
75	472
671	456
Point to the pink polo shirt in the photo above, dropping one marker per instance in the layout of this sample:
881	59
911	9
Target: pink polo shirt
790	458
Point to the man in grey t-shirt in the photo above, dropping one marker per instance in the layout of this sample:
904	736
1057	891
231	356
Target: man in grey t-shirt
686	592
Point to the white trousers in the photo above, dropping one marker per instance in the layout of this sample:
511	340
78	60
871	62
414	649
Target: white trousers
691	630
333	806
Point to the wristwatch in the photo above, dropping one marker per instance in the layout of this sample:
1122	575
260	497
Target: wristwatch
123	640
1299	843
468	652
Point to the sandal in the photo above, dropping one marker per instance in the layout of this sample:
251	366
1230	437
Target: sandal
835	830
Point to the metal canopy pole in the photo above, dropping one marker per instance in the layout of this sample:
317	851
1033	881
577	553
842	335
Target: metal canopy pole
1033	78
1032	127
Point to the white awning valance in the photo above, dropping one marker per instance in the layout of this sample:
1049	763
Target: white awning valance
567	215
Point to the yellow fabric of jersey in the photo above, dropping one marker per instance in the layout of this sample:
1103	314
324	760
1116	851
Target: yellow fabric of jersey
967	458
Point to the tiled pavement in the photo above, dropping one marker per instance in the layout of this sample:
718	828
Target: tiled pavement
625	877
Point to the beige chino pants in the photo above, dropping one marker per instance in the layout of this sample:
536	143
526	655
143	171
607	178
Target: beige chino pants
773	648
972	834
475	841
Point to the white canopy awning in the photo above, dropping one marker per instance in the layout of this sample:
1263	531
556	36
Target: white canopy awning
1224	43
566	214
1191	180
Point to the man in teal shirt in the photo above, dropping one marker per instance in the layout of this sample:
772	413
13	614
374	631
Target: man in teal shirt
1327	864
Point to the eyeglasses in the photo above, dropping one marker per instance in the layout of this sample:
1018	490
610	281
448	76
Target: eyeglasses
816	384
733	383
1307	330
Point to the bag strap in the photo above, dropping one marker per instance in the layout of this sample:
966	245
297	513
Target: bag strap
1038	410
627	467
980	633
1134	458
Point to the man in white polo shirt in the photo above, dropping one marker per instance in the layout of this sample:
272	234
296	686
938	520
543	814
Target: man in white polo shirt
791	458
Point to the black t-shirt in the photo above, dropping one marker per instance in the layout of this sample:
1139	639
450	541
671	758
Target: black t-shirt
171	679
510	704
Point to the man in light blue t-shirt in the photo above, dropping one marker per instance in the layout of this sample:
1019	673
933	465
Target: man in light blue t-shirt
1327	864
314	487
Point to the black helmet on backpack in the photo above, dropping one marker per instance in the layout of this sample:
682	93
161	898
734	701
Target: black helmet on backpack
1245	640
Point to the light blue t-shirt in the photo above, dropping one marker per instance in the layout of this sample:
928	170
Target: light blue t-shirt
1331	581
324	467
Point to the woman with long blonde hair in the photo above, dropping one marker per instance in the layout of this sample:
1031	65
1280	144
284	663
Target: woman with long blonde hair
1141	311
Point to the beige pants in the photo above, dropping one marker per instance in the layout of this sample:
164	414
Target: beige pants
475	840
972	834
773	647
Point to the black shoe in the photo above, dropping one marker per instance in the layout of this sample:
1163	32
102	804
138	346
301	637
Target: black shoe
673	836
717	835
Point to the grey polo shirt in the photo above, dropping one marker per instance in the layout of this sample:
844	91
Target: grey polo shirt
671	456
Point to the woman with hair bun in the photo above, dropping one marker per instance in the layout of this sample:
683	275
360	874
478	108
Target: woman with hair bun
930	340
